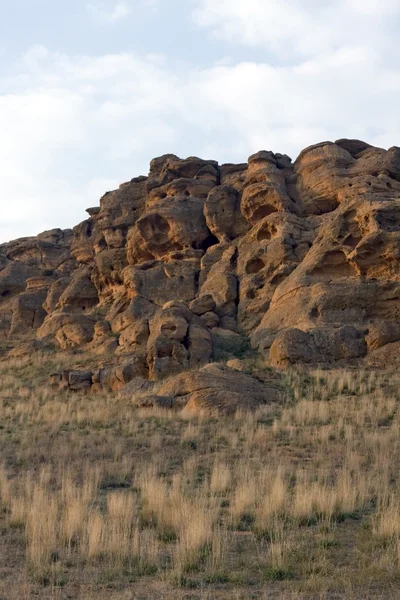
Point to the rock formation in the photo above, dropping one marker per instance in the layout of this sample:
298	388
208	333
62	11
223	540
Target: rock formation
198	261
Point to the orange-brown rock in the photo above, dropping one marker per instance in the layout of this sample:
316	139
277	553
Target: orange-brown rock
215	389
197	260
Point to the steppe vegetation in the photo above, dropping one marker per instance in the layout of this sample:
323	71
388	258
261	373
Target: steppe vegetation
100	499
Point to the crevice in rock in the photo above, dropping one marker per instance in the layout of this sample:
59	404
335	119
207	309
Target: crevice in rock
210	241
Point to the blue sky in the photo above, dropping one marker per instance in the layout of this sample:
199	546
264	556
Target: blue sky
90	91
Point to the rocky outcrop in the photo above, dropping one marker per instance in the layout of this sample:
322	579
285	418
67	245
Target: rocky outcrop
198	261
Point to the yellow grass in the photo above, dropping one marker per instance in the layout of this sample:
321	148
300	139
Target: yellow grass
99	492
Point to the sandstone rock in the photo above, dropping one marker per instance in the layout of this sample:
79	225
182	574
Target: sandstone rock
27	312
136	388
167	347
223	214
82	242
169	167
13	278
218	278
79	380
268	254
215	389
233	175
49	251
116	377
74	334
107	275
210	320
160	282
54	293
169	227
70	331
320	171
80	294
202	305
120	209
135	312
236	364
382	333
186	265
318	346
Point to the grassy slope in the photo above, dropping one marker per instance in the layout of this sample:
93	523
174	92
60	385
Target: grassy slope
101	500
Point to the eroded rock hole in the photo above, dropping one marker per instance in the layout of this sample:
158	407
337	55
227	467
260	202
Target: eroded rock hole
89	230
254	266
265	233
277	279
263	211
154	228
210	240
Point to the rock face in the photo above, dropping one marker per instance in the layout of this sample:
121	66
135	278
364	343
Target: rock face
301	260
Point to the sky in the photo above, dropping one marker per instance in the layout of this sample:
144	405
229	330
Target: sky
91	91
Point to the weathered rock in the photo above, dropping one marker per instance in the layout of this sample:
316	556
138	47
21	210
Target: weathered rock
215	389
137	387
161	282
223	214
218	278
171	226
318	346
13	278
202	305
80	294
267	254
74	380
189	264
54	293
165	169
79	380
28	312
210	320
70	330
116	377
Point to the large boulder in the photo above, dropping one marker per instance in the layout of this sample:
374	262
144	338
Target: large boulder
216	389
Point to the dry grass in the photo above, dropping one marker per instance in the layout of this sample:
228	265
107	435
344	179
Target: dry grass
295	501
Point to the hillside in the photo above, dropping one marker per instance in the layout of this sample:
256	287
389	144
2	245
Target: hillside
200	262
198	386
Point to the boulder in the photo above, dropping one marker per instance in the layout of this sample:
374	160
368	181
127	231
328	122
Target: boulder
216	389
202	304
293	346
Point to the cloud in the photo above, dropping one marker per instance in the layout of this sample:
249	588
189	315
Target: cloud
113	11
294	29
74	127
109	12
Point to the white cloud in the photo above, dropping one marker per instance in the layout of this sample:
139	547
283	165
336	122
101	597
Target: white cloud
112	11
74	126
294	29
109	12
